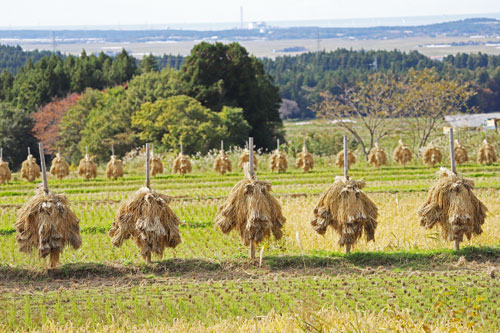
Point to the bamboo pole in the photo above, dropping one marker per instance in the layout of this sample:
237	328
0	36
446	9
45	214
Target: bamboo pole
222	145
346	175
44	168
250	156
112	150
454	170
148	179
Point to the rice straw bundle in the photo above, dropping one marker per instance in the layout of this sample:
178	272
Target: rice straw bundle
305	160
147	219
87	168
461	155
5	174
244	158
222	164
278	160
487	153
114	168
156	164
29	169
452	204
432	155
402	154
377	156
182	164
351	159
251	210
347	209
47	223
59	167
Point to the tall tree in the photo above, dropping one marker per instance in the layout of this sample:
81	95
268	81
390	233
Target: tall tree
224	74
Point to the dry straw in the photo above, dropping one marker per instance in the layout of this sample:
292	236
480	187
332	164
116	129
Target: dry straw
59	167
114	168
222	164
452	204
156	164
487	153
251	210
402	154
146	218
278	161
245	158
5	174
182	164
347	209
351	159
305	160
432	155
47	223
29	169
377	156
461	155
87	168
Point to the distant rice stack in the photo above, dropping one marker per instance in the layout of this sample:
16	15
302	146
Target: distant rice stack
29	169
451	203
114	168
222	163
305	160
351	158
348	210
87	168
182	164
146	218
244	157
487	153
377	156
402	154
432	155
278	161
59	167
252	211
156	165
5	174
461	155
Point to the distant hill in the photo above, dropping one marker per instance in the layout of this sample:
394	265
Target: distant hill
487	27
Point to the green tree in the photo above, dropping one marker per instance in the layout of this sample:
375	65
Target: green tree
15	134
148	64
178	119
74	122
224	74
109	123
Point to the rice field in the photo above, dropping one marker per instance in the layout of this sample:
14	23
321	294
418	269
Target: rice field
408	279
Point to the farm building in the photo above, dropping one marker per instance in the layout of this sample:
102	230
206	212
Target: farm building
486	120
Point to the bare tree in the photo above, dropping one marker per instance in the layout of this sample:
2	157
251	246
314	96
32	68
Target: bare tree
367	107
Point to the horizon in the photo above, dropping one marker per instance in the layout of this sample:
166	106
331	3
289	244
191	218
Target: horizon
226	14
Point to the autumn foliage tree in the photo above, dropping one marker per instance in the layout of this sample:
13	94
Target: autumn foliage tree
47	120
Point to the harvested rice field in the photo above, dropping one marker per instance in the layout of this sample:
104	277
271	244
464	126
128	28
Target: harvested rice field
408	279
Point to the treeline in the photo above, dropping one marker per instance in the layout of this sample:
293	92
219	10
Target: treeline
302	78
218	93
13	57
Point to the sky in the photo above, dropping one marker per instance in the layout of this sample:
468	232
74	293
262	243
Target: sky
39	13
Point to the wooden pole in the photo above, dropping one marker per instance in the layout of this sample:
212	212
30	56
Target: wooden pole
86	152
346	159
29	151
181	149
278	144
222	145
252	250
250	156
148	180
452	152
44	168
112	150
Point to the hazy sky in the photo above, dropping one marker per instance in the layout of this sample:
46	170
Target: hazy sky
127	12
